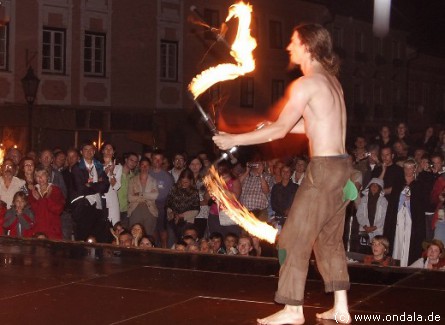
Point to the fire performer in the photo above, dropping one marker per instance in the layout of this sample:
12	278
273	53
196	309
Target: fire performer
314	105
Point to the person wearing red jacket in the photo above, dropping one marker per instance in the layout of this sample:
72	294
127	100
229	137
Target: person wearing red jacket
47	202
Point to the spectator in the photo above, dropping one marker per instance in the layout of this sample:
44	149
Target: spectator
218	220
125	239
9	183
131	161
438	199
26	172
231	242
19	219
178	166
182	203
47	203
15	155
114	174
59	161
216	243
402	134
138	232
181	246
204	245
300	170
46	159
90	183
282	195
245	245
165	183
433	256
429	140
196	166
372	162
255	189
410	230
142	194
393	180
384	139
146	242
371	213
380	248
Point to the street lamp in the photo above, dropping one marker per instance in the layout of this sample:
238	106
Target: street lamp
30	84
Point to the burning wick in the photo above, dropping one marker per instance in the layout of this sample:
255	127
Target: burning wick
235	210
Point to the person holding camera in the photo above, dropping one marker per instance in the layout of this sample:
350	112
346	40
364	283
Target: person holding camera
255	189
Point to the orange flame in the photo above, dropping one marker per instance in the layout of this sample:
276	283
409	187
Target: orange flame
235	210
241	50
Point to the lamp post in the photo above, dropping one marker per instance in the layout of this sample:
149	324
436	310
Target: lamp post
30	84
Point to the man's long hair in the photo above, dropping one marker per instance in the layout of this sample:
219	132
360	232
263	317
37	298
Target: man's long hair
318	42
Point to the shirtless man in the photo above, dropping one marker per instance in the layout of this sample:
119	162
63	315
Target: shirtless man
314	105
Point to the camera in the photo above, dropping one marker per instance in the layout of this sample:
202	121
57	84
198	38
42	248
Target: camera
252	165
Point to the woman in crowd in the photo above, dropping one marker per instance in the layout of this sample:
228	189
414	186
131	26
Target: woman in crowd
114	173
26	172
380	247
433	256
137	231
196	166
429	140
142	193
384	139
371	213
218	220
47	203
183	203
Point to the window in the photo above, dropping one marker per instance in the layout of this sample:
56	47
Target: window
246	92
212	17
169	61
277	89
275	35
53	50
94	54
4	47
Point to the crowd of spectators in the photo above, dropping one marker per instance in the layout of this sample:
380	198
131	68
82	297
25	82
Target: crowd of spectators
402	184
147	201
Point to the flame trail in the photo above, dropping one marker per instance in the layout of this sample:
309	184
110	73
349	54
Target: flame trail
241	50
235	210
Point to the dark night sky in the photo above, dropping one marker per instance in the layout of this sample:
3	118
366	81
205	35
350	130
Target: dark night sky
423	19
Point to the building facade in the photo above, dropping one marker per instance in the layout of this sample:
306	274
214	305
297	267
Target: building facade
118	71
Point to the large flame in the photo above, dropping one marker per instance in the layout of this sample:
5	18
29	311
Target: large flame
241	50
235	210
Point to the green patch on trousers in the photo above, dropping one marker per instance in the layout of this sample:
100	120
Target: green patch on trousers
350	191
281	255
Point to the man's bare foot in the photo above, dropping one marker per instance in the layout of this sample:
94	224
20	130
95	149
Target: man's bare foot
288	315
339	316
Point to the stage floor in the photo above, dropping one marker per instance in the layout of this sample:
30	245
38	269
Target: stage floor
44	282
